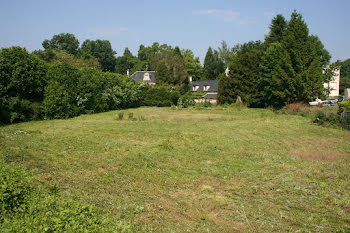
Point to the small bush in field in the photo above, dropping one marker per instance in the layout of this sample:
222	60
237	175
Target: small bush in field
207	104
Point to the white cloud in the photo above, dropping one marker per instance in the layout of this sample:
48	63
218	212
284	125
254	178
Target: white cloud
225	15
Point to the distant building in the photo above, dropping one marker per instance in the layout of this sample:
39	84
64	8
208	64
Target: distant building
144	76
209	89
333	85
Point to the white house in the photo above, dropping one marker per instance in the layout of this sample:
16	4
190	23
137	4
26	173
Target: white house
333	85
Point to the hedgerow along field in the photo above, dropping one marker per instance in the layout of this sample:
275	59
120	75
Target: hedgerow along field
220	169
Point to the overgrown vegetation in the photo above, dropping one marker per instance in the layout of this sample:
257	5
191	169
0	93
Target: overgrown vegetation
217	169
28	206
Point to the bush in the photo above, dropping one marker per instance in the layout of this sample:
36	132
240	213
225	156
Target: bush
186	101
14	190
159	96
322	118
344	107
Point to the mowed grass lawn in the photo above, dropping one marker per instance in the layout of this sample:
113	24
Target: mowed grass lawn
222	169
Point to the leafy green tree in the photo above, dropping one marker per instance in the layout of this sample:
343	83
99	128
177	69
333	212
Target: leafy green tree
63	41
277	28
128	62
21	74
192	65
102	50
344	74
61	92
57	55
213	65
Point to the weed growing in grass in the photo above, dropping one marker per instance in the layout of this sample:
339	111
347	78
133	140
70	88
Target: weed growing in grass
120	116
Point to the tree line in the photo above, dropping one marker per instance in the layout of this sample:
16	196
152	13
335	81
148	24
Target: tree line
66	79
288	67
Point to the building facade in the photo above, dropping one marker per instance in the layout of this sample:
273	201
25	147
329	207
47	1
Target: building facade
209	89
144	76
333	85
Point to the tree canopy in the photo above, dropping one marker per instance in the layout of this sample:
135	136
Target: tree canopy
102	50
63	41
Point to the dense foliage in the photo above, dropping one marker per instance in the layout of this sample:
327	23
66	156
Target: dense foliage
102	50
22	83
286	68
244	76
160	96
63	41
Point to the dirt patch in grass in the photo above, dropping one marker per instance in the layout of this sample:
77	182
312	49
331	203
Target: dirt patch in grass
317	155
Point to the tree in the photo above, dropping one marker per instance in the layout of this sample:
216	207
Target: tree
307	56
344	74
61	92
22	74
276	84
244	76
226	53
277	28
57	55
63	41
102	50
213	65
192	64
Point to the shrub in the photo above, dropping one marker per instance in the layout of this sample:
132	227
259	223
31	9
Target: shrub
186	101
14	189
207	104
159	96
344	107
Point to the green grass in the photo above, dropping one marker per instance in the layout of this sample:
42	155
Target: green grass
222	169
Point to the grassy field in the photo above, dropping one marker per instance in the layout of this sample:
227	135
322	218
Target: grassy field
194	170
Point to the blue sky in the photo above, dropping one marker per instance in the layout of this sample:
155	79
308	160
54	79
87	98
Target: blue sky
194	25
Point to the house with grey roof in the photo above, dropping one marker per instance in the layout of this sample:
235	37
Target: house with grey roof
144	76
209	88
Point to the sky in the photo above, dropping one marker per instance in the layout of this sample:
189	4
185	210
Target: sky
194	25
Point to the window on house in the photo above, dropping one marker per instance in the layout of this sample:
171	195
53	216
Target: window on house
146	77
206	88
195	88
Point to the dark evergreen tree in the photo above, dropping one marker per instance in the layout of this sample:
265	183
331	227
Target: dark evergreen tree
244	76
213	65
277	29
276	84
307	57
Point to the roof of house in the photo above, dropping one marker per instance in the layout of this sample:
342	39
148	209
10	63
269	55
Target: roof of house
213	85
210	96
139	75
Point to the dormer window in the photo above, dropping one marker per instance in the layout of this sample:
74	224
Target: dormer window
146	77
195	88
206	87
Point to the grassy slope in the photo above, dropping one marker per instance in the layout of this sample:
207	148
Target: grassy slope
218	170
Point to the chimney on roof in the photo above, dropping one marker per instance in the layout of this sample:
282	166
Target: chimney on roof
190	79
128	72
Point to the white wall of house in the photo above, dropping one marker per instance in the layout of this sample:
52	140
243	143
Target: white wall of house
333	85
